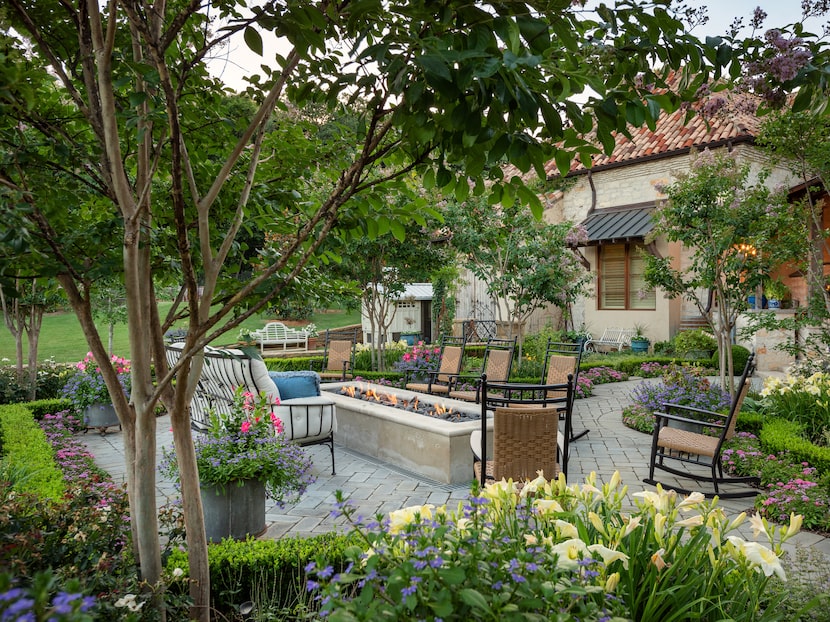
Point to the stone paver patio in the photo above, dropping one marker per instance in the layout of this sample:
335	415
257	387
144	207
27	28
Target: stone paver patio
374	487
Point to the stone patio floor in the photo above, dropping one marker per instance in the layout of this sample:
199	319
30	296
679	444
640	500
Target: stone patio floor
373	486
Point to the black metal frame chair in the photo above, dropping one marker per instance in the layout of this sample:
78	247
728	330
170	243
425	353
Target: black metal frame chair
438	381
341	368
490	366
561	360
699	448
513	398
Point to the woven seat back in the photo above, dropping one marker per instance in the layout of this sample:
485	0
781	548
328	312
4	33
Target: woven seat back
450	362
559	368
498	365
524	443
339	353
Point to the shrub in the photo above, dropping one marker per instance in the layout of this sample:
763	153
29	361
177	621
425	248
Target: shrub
697	340
238	569
392	353
554	551
80	537
603	375
681	385
51	377
423	358
23	442
739	357
805	401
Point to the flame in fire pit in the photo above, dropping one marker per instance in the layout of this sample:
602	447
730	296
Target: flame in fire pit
412	405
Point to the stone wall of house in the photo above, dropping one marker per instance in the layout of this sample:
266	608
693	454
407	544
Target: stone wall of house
636	184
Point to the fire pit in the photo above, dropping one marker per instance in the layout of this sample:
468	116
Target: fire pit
415	403
434	445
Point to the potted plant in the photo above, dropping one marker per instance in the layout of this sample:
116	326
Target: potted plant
776	292
639	342
242	458
577	336
89	395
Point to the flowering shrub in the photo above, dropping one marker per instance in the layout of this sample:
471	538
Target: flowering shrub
56	549
248	444
679	385
652	369
86	387
604	375
584	387
555	551
788	486
805	400
421	360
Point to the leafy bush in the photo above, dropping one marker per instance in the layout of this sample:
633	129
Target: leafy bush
80	537
783	435
393	353
739	357
51	377
295	363
422	359
238	568
805	401
23	442
789	485
694	341
554	551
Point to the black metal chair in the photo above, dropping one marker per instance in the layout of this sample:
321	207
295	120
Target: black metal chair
701	448
562	360
531	430
438	381
498	361
338	358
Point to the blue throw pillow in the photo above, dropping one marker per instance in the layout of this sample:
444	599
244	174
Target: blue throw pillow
296	384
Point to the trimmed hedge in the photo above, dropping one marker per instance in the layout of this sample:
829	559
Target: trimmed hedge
23	443
750	421
40	408
739	356
238	569
782	435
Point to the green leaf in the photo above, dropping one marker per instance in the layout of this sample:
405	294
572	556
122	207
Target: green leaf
398	230
434	65
474	599
253	40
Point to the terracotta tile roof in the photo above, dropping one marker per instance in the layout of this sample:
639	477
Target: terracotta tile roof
674	135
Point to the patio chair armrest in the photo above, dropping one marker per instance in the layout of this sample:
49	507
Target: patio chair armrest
662	418
454	379
668	406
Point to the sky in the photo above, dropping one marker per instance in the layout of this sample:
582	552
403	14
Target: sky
237	59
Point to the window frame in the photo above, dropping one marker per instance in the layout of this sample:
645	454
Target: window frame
630	249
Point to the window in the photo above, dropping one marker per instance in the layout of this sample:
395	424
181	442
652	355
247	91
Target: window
621	282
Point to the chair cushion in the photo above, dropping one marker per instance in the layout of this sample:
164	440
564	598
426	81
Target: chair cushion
307	418
294	384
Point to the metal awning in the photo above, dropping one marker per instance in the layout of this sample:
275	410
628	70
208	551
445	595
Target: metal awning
606	226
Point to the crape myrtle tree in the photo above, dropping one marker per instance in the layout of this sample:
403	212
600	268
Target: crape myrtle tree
734	231
383	262
526	263
121	94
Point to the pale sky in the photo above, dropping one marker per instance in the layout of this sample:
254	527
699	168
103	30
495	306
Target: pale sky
238	60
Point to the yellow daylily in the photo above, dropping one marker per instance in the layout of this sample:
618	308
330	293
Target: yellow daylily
399	519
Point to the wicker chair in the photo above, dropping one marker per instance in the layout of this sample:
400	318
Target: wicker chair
498	361
527	436
562	360
338	360
699	448
438	381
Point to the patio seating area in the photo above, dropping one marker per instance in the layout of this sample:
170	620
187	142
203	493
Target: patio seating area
374	486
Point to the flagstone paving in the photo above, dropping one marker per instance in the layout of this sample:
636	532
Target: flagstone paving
375	487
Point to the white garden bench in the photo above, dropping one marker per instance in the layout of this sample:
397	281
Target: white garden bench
278	334
612	339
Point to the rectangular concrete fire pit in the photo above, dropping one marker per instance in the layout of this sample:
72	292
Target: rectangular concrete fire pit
436	449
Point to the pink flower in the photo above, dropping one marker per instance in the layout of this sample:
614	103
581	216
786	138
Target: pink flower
277	423
245	427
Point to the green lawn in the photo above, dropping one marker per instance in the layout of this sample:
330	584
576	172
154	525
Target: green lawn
61	337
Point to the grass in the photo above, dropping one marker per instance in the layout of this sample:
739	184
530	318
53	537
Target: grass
62	340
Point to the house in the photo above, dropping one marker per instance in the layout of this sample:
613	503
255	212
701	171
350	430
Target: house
614	199
410	314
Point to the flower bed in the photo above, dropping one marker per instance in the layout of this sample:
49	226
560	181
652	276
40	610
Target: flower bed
556	551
